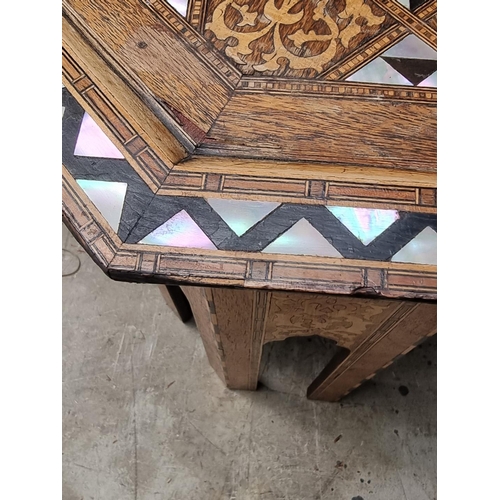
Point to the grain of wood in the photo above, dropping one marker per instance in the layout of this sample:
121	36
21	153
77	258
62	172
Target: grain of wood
140	117
354	172
155	54
241	342
371	133
207	326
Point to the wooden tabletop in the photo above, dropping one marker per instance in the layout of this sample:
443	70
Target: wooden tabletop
278	145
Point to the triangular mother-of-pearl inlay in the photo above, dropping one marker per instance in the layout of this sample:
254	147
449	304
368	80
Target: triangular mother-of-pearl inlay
378	71
302	239
179	231
108	197
179	5
411	47
241	215
420	250
365	223
430	81
92	141
410	62
405	3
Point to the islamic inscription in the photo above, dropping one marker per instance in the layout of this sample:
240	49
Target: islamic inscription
301	37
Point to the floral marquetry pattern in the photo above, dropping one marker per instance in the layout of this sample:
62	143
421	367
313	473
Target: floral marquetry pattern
293	37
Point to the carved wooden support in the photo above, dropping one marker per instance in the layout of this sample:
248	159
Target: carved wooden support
409	325
371	333
231	325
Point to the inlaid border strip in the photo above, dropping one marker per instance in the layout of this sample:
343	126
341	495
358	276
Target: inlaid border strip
152	264
89	227
241	269
126	138
158	175
196	14
252	85
306	191
410	21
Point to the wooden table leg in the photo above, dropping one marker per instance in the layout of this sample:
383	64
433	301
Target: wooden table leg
231	325
177	301
410	324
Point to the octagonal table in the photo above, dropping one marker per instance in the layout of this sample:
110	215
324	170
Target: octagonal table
272	161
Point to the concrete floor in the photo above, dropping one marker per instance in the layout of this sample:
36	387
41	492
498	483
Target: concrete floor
146	418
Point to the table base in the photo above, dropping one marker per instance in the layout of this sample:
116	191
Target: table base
370	333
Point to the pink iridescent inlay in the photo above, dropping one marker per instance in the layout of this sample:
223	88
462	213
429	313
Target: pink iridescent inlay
92	141
365	223
179	231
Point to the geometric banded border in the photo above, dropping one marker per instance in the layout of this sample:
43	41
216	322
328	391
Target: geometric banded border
151	264
410	21
180	181
253	85
307	191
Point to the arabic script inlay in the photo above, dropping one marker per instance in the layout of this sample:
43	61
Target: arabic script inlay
304	36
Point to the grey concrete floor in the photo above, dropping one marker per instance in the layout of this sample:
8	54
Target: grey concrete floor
146	418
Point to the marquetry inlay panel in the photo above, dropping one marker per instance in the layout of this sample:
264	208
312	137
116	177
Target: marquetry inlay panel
291	37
